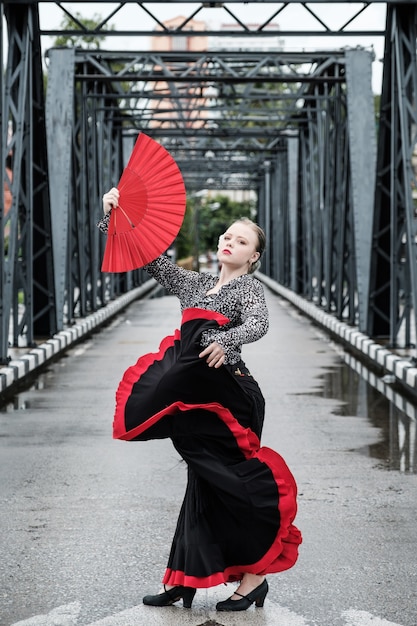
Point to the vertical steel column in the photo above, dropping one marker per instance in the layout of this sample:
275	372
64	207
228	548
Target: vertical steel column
82	219
292	152
304	247
379	318
99	182
110	153
59	121
267	216
326	273
260	216
285	227
362	142
312	225
343	253
81	231
5	186
274	246
393	290
44	310
15	112
327	134
99	155
27	291
279	217
332	135
406	71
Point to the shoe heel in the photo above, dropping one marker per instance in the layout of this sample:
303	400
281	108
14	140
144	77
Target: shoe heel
259	602
188	597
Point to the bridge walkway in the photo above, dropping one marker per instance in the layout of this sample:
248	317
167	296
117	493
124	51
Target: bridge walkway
87	521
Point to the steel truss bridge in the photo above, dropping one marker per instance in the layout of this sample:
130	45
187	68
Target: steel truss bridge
334	179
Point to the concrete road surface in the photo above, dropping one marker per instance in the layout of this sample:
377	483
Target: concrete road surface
86	522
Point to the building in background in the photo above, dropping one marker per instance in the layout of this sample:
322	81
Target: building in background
237	40
180	43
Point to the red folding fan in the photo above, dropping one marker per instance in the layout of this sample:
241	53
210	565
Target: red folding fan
150	211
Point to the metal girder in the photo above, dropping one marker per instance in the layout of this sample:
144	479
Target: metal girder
97	162
32	273
317	273
321	221
393	289
4	198
198	67
27	263
213	4
282	221
59	118
279	226
307	149
362	149
322	26
211	113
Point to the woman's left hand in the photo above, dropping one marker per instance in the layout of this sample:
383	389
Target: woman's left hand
215	355
110	200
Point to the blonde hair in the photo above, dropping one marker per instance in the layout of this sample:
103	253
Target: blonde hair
261	241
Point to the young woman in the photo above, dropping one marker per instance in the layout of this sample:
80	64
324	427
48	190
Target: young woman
236	520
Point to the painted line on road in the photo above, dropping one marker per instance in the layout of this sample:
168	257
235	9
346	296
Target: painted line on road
362	618
271	615
65	615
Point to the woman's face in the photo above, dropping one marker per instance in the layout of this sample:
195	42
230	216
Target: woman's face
237	247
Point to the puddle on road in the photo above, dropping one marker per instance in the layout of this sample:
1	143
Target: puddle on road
365	394
28	397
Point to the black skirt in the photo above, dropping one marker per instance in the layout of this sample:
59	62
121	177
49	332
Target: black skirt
240	501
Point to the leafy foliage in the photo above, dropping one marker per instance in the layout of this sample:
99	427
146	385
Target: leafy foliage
84	25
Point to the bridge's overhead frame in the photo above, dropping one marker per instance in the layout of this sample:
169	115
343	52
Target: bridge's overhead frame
298	128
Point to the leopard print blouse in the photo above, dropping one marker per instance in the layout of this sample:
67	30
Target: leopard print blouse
242	301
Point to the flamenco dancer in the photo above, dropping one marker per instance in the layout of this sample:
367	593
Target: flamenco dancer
236	520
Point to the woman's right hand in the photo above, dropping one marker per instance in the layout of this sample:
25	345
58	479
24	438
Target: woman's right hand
110	200
215	355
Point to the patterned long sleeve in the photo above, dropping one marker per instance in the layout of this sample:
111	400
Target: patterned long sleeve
171	276
103	223
254	322
242	301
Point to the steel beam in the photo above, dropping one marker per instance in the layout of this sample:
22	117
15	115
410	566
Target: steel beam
326	247
293	177
202	10
309	150
59	126
4	202
27	290
362	146
393	280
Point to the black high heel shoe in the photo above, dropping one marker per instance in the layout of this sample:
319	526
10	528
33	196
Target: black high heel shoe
258	596
170	596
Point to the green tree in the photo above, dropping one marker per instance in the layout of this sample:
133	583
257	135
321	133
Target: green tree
87	38
184	240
